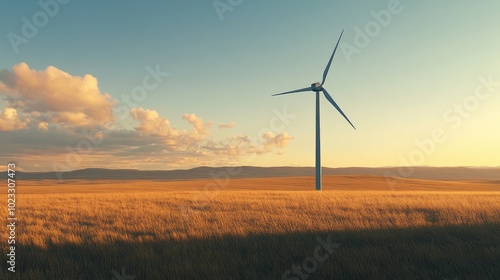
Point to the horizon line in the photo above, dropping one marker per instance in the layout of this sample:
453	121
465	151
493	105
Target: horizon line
254	166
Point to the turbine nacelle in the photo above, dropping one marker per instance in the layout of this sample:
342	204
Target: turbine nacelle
317	86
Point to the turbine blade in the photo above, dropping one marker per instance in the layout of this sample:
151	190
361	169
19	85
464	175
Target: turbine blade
294	91
331	58
329	98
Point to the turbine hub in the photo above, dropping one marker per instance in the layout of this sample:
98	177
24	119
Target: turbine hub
317	86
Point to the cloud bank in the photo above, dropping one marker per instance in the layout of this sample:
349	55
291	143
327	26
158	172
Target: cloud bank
51	116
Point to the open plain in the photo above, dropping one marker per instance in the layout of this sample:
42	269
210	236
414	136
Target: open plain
359	227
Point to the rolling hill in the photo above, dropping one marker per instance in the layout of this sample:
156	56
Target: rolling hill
427	173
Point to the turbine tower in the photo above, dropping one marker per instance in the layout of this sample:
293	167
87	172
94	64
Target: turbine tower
317	88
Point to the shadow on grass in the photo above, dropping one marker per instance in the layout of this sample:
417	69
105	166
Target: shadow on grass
450	252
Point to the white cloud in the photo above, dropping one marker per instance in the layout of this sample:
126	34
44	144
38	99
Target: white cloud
151	124
43	126
278	142
9	120
56	96
226	125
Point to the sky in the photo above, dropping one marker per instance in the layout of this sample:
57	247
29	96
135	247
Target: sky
179	84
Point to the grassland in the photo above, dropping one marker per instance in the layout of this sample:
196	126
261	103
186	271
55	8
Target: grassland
258	229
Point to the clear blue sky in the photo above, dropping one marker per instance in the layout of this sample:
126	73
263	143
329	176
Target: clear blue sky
396	90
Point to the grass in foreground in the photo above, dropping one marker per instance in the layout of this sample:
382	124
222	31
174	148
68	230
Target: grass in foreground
177	232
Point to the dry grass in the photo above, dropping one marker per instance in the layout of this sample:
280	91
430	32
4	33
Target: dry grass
330	183
247	232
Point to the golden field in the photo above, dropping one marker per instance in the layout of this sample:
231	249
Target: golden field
257	229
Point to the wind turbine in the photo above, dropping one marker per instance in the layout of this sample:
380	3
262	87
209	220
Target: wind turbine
317	88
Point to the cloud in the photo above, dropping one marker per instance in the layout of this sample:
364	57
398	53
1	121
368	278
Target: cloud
201	129
51	114
150	123
55	96
9	120
43	126
226	125
151	145
279	142
265	143
197	139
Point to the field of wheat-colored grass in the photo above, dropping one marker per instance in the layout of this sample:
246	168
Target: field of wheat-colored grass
257	229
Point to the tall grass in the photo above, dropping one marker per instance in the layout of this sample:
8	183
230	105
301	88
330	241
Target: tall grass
252	234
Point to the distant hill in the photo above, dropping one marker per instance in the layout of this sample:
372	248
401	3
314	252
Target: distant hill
429	173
